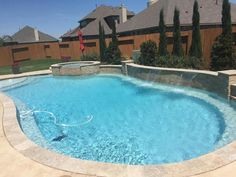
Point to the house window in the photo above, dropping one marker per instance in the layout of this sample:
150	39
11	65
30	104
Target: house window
20	50
64	45
90	44
170	40
126	42
111	19
85	22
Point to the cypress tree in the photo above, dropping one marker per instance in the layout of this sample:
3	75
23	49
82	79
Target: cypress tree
113	54
102	42
222	55
196	46
177	44
163	41
114	35
226	18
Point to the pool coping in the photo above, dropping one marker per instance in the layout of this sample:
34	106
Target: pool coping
23	145
27	74
85	63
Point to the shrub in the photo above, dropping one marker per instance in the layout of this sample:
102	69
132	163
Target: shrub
135	56
171	62
195	63
113	54
222	55
180	62
148	53
90	57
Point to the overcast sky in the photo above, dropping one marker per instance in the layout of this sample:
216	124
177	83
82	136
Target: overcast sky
54	17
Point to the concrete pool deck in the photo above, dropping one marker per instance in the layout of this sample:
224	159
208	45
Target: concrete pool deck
14	164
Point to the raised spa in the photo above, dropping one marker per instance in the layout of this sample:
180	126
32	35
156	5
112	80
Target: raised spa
118	119
75	68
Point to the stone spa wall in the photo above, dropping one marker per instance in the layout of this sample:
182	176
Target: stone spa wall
75	68
217	82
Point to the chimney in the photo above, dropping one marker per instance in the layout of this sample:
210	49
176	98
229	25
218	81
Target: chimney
123	17
36	34
151	2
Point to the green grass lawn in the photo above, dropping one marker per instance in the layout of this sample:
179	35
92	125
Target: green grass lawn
31	65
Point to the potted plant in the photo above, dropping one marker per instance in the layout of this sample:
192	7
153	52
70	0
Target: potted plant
16	68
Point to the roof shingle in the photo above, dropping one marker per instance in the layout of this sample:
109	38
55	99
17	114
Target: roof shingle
210	13
27	35
98	15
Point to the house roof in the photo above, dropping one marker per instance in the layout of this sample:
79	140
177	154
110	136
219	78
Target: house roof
210	13
98	14
27	35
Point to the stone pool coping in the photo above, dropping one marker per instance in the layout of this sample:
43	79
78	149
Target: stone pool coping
22	144
27	74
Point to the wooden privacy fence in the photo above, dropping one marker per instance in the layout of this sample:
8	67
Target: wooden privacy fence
71	49
34	51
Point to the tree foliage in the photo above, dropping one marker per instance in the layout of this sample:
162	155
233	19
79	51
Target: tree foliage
148	53
222	54
177	43
196	46
102	43
163	40
222	57
226	18
5	38
112	53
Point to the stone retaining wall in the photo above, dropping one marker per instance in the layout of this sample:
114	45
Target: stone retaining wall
217	82
112	69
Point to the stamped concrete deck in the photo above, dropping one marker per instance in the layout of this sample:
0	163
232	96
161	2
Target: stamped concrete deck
14	164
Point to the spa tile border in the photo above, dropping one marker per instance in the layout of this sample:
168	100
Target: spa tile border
23	145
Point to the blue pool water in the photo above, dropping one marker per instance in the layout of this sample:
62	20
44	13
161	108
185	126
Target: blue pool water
118	119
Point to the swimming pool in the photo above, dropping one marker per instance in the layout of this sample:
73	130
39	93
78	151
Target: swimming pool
112	118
